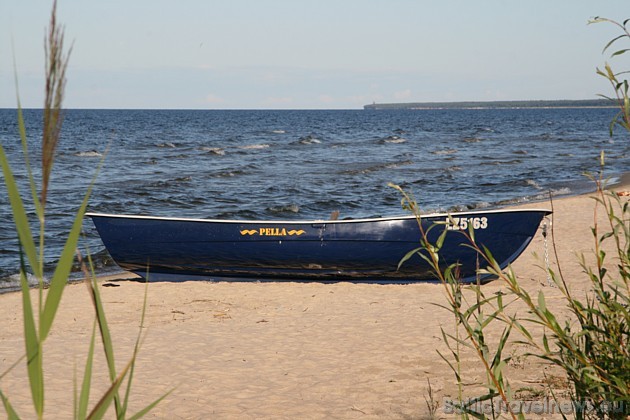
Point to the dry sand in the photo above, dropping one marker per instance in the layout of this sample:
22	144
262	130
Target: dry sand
284	350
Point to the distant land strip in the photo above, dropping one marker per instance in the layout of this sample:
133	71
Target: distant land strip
564	103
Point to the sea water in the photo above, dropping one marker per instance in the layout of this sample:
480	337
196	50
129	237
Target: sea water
288	165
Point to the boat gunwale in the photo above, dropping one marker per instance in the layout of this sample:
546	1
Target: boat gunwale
318	221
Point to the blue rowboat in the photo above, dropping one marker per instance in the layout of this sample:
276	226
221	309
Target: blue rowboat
359	250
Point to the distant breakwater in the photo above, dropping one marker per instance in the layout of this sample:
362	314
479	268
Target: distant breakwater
541	104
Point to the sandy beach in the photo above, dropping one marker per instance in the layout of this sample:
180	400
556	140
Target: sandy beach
286	350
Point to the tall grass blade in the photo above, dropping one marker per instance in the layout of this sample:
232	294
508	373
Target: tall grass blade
11	413
10	368
84	398
31	179
20	216
136	347
34	363
22	131
149	407
612	41
407	256
500	346
105	336
103	404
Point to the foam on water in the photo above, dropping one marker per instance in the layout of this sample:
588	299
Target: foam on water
91	153
12	282
254	146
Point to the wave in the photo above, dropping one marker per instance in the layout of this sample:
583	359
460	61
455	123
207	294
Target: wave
309	140
165	183
11	283
392	139
254	146
398	164
555	192
90	153
213	150
533	183
289	208
501	162
444	152
368	168
228	173
479	205
238	215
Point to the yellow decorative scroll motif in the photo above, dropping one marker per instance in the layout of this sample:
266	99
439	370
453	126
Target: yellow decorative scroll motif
272	231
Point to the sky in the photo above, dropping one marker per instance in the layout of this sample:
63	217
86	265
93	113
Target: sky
307	54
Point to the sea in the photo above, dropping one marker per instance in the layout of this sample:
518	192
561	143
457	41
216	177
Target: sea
302	164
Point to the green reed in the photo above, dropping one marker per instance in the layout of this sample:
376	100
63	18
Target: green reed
591	347
38	318
470	319
618	85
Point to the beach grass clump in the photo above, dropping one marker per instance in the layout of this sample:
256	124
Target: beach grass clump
590	345
471	319
38	316
618	84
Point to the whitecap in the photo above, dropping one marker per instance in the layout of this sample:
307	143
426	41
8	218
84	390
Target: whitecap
12	282
533	183
290	208
393	140
310	141
90	153
396	164
554	192
475	206
561	191
213	150
254	146
444	152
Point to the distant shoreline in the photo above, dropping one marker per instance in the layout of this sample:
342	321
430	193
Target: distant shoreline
542	104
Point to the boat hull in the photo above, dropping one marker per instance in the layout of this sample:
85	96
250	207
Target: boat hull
362	250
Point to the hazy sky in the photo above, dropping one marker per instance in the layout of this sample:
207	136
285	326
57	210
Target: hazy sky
299	54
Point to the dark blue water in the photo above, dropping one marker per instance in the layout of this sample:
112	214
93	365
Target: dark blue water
304	164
